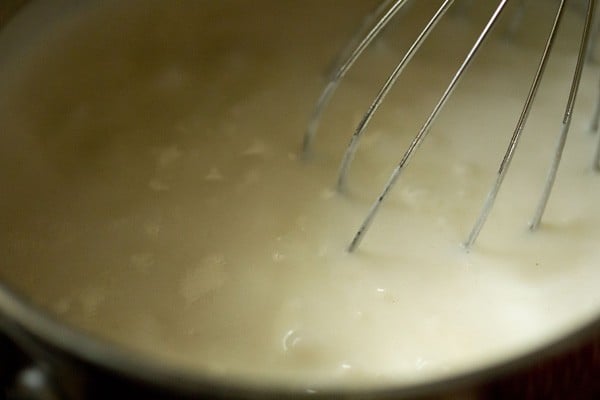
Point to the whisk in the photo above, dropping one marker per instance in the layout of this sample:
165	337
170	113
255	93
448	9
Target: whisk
373	24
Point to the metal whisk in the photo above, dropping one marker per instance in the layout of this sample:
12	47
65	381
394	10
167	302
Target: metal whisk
373	24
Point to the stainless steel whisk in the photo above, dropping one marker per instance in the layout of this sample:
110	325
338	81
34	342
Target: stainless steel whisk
373	24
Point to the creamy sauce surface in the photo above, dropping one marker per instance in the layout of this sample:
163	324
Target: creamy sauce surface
154	194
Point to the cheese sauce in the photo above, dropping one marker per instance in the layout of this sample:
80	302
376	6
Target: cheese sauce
154	194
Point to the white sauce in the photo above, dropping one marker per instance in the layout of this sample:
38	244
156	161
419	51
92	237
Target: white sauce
153	193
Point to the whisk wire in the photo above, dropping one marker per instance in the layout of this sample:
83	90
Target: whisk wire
335	80
366	25
426	127
594	128
596	117
566	123
378	20
353	145
514	141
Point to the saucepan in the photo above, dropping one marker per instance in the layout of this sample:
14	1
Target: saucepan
42	357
